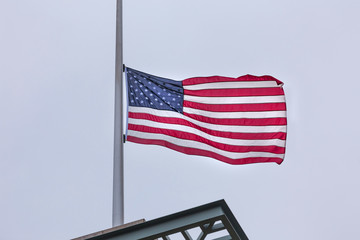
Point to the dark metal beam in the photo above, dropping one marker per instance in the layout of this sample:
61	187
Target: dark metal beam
186	235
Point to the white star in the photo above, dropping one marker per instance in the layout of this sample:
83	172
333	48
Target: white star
169	94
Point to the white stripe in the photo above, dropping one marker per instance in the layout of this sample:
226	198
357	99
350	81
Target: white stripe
229	141
235	100
224	128
240	84
199	145
265	114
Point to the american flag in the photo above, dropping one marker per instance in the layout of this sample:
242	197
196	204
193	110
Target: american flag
235	120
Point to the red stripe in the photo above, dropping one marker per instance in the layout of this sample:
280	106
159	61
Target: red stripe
246	78
236	107
239	121
236	92
234	135
200	152
194	137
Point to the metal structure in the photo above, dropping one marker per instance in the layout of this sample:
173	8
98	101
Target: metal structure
213	221
118	171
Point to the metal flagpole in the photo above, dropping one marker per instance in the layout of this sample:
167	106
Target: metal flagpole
118	174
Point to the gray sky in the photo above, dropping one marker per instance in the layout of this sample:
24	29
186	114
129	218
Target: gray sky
56	106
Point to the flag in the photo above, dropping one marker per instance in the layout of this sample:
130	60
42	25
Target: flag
235	120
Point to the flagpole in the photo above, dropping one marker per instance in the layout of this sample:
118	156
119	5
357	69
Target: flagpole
118	174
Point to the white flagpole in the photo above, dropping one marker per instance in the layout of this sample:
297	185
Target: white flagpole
118	175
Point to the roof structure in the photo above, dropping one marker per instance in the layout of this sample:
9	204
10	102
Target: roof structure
212	221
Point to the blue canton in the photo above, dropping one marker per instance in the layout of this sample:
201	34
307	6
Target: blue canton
145	90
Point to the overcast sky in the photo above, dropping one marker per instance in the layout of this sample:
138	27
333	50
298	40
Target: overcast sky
57	107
